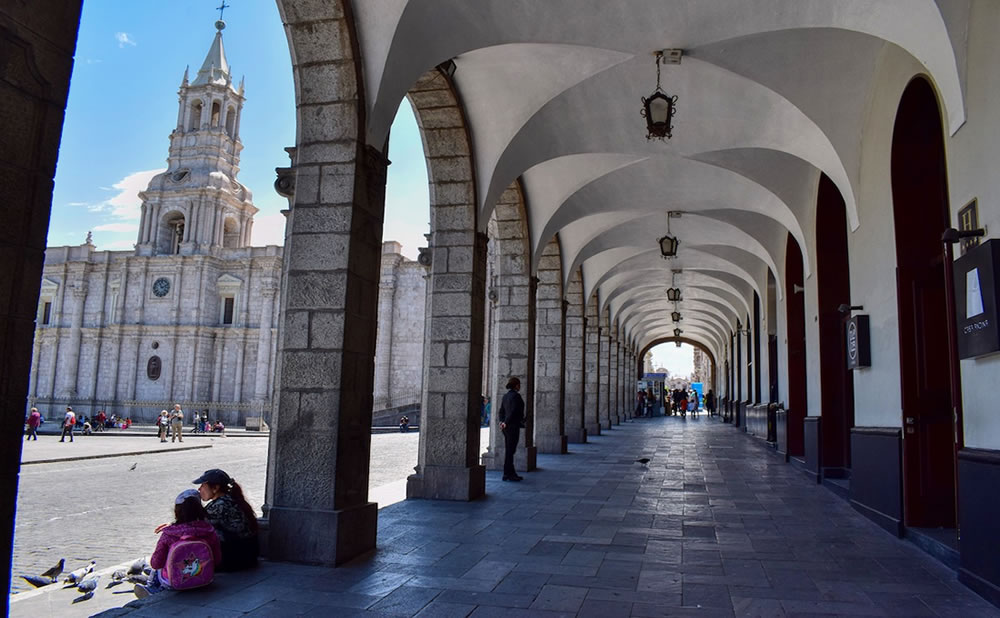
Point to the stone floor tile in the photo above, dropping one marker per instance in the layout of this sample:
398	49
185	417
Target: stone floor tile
279	609
559	598
706	595
405	600
438	609
593	608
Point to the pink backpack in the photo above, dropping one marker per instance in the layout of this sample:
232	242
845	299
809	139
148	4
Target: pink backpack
189	564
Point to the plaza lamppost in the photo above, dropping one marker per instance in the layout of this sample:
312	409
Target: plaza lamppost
659	107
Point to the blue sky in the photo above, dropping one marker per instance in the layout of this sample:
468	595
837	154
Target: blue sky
130	59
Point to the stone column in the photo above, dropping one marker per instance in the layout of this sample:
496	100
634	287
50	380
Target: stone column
514	318
614	378
448	466
383	345
574	370
320	442
37	42
592	368
69	371
604	403
268	290
550	330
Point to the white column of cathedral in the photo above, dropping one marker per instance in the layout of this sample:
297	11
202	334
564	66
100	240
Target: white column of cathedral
268	291
68	376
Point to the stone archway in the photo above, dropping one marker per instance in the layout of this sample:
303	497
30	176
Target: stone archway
692	342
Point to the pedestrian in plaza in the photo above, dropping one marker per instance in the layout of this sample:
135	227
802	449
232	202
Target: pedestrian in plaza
162	421
195	422
233	518
640	403
188	551
69	421
710	402
511	420
34	420
177	423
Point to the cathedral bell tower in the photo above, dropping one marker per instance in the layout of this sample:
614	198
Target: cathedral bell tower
197	206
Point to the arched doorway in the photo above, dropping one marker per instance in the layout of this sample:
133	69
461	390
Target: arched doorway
836	381
795	306
920	214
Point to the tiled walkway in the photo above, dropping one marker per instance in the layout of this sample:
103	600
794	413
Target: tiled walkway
714	525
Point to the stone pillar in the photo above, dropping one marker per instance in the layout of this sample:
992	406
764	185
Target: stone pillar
68	374
448	466
320	443
37	43
614	379
592	370
514	317
383	346
604	402
268	289
550	330
574	370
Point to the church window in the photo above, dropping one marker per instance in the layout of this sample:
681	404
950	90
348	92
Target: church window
46	297
46	312
216	110
195	119
228	308
231	121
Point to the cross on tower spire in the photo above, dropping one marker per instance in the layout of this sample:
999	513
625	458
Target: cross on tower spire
222	7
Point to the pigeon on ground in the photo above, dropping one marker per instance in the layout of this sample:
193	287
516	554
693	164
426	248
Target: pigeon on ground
84	597
133	466
642	460
37	581
138	579
89	584
77	576
137	566
55	571
119	575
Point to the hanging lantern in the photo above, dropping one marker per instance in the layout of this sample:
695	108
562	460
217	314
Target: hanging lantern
674	294
677	332
658	109
668	246
675	316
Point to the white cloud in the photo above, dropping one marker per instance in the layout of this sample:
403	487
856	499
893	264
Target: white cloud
117	227
268	230
124	39
125	205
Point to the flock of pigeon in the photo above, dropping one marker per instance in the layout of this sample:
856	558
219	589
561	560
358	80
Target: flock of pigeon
85	580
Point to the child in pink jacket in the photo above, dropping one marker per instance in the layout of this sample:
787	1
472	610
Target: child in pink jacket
190	523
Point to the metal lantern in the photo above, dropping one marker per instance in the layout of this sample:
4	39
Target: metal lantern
678	343
674	294
668	246
675	316
658	109
677	332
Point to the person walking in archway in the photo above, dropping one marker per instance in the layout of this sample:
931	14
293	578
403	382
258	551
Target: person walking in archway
511	420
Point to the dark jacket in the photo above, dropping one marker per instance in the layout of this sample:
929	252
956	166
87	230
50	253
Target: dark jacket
512	409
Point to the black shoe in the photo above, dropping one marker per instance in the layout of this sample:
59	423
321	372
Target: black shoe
513	478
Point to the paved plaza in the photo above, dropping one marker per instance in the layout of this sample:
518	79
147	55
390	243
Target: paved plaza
714	525
96	508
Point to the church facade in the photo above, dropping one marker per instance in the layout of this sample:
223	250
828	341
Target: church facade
191	314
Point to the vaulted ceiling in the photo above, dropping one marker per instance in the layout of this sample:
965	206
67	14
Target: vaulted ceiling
771	93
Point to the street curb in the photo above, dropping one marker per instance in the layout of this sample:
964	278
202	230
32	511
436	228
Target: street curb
108	455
